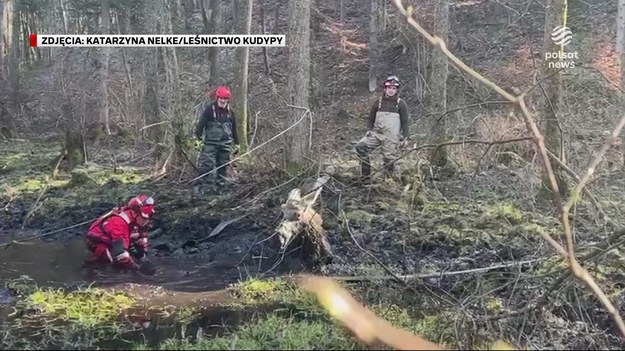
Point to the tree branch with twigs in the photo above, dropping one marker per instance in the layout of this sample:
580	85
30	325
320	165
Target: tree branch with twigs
563	209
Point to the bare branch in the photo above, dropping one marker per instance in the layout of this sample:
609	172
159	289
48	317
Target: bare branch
578	271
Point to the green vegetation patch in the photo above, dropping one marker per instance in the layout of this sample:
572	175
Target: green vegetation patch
88	308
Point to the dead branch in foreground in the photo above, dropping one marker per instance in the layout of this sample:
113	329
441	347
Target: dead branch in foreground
361	321
563	209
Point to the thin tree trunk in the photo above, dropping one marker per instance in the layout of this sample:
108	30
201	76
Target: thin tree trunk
620	48
241	59
14	51
373	45
2	41
440	71
342	11
263	26
213	52
298	88
103	69
553	88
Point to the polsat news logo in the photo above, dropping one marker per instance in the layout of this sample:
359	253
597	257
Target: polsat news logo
157	40
561	36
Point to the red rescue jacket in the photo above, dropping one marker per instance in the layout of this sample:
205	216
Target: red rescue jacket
119	223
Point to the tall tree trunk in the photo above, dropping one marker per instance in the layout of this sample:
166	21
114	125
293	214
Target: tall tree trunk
103	69
373	45
241	59
440	71
14	48
342	11
620	48
553	89
213	52
2	41
263	28
298	88
149	20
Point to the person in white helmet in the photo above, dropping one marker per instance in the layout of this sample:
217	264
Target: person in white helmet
387	127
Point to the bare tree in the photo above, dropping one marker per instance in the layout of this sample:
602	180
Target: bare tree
12	36
554	16
620	48
241	58
103	69
438	83
298	88
373	45
213	52
2	34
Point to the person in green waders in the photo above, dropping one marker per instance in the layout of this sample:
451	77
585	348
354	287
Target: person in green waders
387	128
217	139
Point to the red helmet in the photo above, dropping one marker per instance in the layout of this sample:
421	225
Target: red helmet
223	92
142	204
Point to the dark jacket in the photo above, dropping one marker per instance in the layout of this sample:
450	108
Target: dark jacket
386	104
217	124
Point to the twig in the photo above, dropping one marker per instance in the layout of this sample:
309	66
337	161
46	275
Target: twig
153	125
221	227
591	168
434	275
577	270
386	268
45	187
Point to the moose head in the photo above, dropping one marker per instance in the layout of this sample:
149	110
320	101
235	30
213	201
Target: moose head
299	217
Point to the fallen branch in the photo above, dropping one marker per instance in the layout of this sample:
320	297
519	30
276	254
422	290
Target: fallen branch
404	278
45	187
368	327
563	210
221	227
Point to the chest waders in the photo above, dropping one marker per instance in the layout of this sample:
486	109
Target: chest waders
216	151
385	134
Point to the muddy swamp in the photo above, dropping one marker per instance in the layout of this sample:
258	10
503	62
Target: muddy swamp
483	209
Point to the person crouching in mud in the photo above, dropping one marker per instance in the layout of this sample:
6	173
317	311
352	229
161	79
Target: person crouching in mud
113	236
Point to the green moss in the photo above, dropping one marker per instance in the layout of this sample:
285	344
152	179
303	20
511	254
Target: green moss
273	332
87	308
359	216
506	211
274	290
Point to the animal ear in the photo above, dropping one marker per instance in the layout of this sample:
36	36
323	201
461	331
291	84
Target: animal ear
294	196
311	198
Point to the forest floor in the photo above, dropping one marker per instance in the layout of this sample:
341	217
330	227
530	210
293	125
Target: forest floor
473	240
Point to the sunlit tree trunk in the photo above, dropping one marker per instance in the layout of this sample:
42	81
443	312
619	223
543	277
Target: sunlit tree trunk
553	89
241	58
438	84
298	87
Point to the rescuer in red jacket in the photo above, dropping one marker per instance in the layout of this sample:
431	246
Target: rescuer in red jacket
111	236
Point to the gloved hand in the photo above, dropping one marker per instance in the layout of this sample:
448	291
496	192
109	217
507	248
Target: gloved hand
141	246
198	145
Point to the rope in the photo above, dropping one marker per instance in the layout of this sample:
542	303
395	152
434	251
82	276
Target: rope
306	113
38	236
